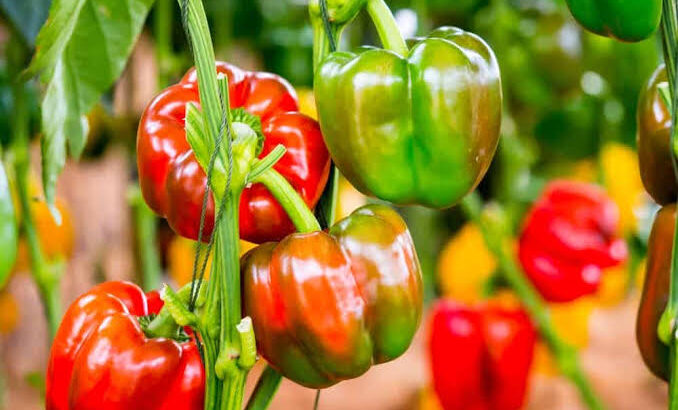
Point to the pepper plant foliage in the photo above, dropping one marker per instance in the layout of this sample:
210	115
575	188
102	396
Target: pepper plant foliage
81	51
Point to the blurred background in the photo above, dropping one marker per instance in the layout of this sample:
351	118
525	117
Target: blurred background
570	103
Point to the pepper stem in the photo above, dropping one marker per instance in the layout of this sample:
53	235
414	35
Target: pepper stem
292	203
46	274
386	26
496	239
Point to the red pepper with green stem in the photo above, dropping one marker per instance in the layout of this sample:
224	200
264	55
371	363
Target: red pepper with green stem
327	305
173	183
105	356
480	355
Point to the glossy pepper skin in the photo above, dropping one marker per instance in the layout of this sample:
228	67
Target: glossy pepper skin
416	129
653	139
327	305
101	359
569	236
480	355
656	293
173	183
625	20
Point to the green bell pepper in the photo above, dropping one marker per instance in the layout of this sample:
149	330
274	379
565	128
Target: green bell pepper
412	127
625	20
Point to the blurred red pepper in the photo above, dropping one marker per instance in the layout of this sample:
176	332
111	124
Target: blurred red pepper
173	183
101	359
569	237
481	355
326	306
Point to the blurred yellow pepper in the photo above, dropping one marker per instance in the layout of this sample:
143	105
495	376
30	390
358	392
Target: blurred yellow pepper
56	241
428	400
464	266
621	175
9	312
583	170
181	256
613	286
307	102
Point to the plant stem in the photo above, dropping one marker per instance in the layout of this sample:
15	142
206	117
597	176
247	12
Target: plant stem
227	268
321	43
292	203
203	55
669	26
496	240
266	387
386	26
162	32
46	276
146	232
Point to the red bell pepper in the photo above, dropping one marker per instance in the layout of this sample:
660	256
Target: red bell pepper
173	183
569	237
326	306
480	355
101	359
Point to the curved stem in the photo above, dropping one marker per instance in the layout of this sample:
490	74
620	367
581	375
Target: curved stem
386	26
565	354
146	232
47	276
162	32
203	54
321	43
294	205
266	387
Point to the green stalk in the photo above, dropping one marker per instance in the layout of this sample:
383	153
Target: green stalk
669	26
292	203
205	62
227	267
495	239
321	42
46	276
266	387
386	26
162	32
145	230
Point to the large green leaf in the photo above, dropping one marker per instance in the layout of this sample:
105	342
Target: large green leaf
27	16
81	51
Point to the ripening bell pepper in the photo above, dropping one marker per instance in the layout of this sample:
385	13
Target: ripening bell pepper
101	359
653	139
656	292
625	20
327	305
420	128
173	183
569	237
481	355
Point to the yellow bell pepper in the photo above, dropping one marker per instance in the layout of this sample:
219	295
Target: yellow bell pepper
464	266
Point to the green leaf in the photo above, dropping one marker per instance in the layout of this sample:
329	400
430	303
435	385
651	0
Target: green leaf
81	51
27	16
